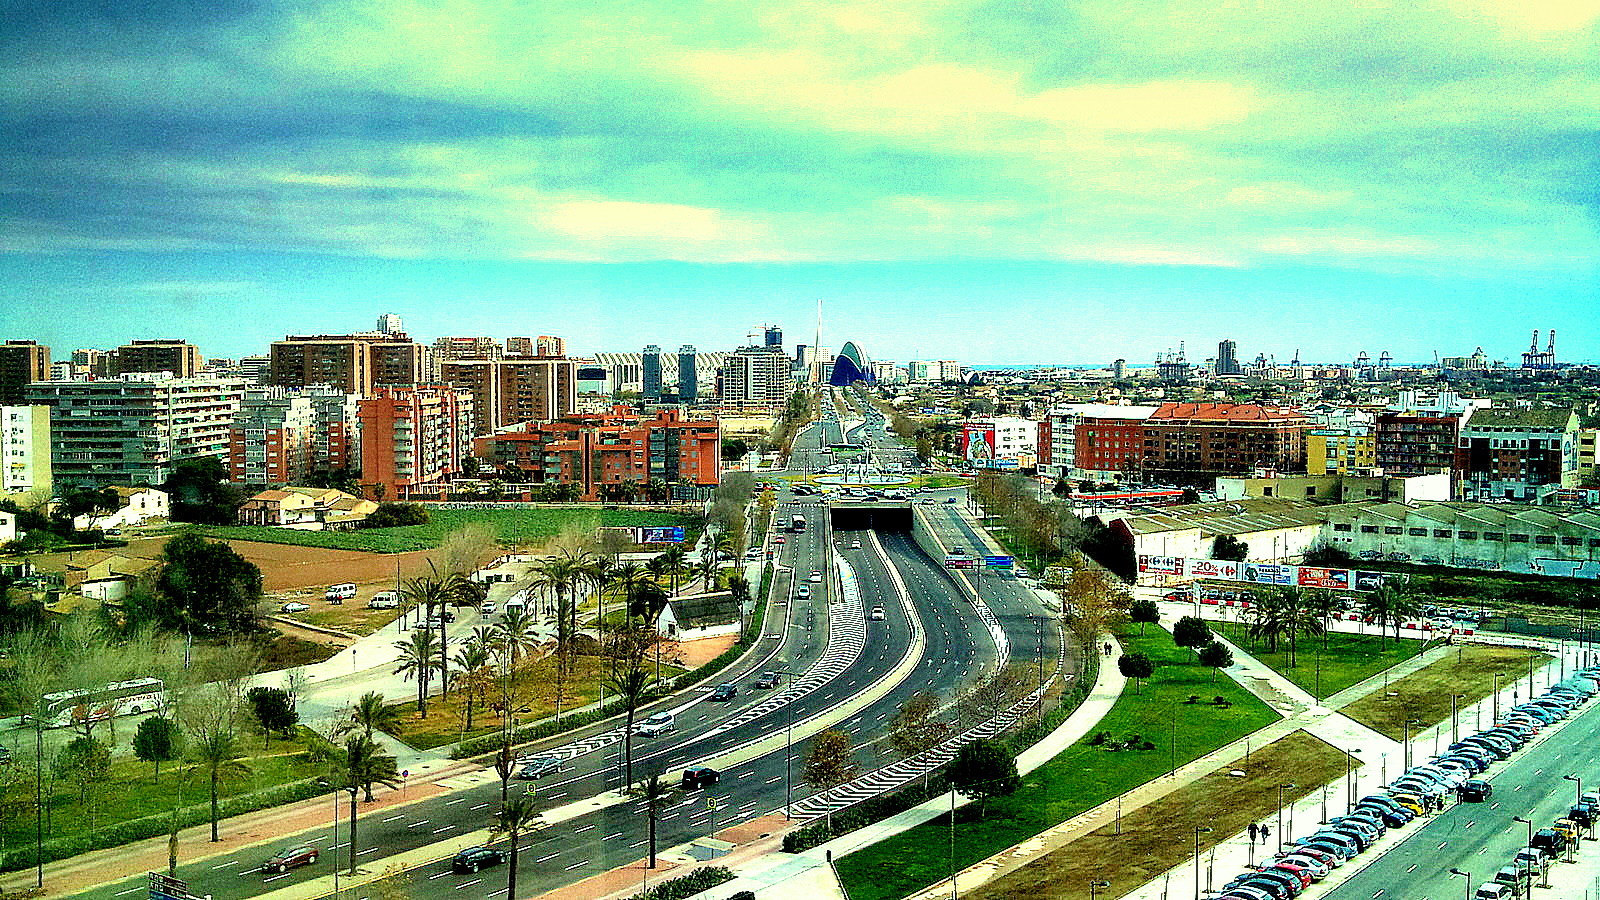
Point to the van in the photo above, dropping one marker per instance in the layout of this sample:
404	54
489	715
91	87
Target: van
339	593
384	600
1493	890
516	603
1518	878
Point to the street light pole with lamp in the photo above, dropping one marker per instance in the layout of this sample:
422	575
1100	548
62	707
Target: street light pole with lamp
1280	813
1468	877
1095	885
788	747
1198	830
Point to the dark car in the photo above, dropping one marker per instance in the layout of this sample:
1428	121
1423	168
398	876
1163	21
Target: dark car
1550	841
700	776
474	858
290	858
766	680
1582	813
540	766
723	693
1476	791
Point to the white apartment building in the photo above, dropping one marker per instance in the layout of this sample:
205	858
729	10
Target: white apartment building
757	375
1064	422
24	450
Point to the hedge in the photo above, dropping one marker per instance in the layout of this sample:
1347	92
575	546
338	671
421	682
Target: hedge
687	885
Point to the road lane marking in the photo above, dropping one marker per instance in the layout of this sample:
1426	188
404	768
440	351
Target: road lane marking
455	801
575	865
222	865
272	878
610	836
546	858
583	829
251	871
392	818
469	883
438	875
1411	868
131	890
368	850
774	779
443	828
418	822
478	807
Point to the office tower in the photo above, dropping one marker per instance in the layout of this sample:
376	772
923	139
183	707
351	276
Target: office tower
133	428
25	450
21	363
756	375
413	439
180	358
1228	358
389	323
774	336
1119	369
688	375
652	372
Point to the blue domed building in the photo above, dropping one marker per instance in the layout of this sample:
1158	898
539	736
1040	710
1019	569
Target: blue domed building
850	366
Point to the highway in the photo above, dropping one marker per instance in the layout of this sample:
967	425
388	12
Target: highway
1479	838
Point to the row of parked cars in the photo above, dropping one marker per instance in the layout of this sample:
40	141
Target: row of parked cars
1425	786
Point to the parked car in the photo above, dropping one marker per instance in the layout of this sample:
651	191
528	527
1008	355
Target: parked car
1549	840
1476	791
291	857
1493	890
855	545
657	724
384	600
1518	878
724	692
700	776
540	766
486	608
293	606
474	858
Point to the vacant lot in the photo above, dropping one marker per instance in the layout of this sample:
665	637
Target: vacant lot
1081	777
1145	847
513	527
1424	696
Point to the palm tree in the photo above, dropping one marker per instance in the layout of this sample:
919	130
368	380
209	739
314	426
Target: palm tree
1298	617
640	587
631	684
365	763
1404	606
472	660
515	634
562	645
1266	621
724	544
417	660
367	715
675	557
1378	607
1326	604
217	750
600	571
655	792
433	591
707	569
557	576
515	815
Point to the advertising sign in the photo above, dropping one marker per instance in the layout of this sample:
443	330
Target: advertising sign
1369	581
999	562
1160	565
977	442
960	562
1266	573
1316	577
1226	570
659	534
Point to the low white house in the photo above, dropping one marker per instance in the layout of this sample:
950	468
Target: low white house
8	527
699	616
136	506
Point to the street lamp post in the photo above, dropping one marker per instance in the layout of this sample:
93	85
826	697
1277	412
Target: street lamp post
1095	885
1280	813
1497	696
1455	725
1349	779
333	844
1468	877
788	748
1199	830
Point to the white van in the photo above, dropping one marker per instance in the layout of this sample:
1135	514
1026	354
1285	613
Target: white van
339	593
384	600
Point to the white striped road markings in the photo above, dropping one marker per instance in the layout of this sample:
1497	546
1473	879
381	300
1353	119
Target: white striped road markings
368	850
548	858
438	875
575	865
469	883
271	878
498	893
443	828
478	807
418	822
251	871
455	801
220	865
583	829
611	836
392	818
131	890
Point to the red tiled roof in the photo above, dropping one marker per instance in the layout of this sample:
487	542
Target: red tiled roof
1225	412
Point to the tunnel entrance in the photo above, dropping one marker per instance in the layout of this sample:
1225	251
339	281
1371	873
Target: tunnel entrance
870	516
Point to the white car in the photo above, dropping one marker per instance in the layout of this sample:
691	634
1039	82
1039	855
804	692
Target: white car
816	577
486	608
294	607
657	724
877	614
855	545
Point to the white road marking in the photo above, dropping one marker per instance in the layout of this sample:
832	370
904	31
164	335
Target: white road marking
443	828
550	857
132	889
418	822
455	801
479	806
438	875
610	836
272	878
583	829
469	883
392	818
575	865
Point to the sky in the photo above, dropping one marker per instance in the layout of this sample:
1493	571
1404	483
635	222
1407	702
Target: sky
995	181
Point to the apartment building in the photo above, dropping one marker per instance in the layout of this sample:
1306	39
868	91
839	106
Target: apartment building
413	439
21	364
756	375
1419	432
353	363
133	428
180	358
614	448
284	435
1193	443
1517	454
513	390
1340	451
25	451
1104	441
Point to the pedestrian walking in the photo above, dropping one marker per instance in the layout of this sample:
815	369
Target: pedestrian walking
1266	832
1254	832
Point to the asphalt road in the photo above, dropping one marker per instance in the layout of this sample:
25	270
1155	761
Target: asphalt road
1479	838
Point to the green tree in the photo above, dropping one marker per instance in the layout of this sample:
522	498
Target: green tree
432	591
272	710
365	763
213	747
204	587
1191	632
369	714
734	449
91	502
1226	546
85	763
515	816
1216	655
418	660
916	728
1136	666
984	769
473	662
200	491
632	685
830	763
514	634
157	741
1144	612
655	791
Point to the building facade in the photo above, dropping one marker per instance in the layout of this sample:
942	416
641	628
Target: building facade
180	358
1517	454
132	429
353	363
1491	537
651	373
1193	443
25	451
414	439
284	435
597	453
756	375
21	364
1065	430
688	375
1340	451
513	390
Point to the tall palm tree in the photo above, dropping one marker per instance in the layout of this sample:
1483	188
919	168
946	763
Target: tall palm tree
655	791
433	590
367	715
515	816
1326	605
600	572
675	557
557	577
725	544
418	659
1298	617
562	645
1267	622
365	763
1404	606
707	570
640	588
473	662
1378	607
514	634
631	685
217	751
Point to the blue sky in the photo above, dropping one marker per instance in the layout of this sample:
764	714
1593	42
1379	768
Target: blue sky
998	182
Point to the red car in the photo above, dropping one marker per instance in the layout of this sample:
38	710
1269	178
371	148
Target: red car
290	858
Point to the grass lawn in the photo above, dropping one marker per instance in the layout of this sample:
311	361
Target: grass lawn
130	791
1424	695
1080	778
1348	659
1144	846
535	687
511	526
353	617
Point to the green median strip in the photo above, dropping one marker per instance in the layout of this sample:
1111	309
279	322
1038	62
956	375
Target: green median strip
1081	777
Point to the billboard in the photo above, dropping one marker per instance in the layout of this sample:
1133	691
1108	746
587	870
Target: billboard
1369	581
1316	577
658	534
1161	565
977	442
1267	573
1212	568
953	561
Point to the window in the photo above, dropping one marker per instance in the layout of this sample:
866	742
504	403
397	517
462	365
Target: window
1417	532
1571	542
1519	538
1493	536
1341	526
1544	539
1392	529
1467	535
1369	529
1441	532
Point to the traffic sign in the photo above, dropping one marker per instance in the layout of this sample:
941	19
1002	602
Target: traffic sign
999	562
163	887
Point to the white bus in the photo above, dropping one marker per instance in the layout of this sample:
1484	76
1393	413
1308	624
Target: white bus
133	697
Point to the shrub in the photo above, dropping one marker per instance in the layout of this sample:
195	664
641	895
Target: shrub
687	885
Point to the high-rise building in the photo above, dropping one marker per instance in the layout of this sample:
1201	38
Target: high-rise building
21	364
132	429
520	346
180	358
1417	434
1228	358
25	451
354	363
756	375
773	336
1517	454
652	372
550	346
389	323
283	435
1091	440
413	439
514	389
605	454
86	359
688	374
1119	369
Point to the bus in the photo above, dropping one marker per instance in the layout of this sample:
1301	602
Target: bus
132	697
797	524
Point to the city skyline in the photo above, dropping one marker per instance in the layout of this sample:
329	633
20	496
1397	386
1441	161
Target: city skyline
953	181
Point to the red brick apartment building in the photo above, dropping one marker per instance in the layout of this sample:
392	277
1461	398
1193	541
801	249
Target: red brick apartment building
413	439
1190	443
619	447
